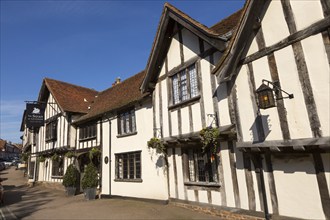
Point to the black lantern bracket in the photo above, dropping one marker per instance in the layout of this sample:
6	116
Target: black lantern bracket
277	88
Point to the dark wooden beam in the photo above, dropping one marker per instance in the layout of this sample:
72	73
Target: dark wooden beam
313	29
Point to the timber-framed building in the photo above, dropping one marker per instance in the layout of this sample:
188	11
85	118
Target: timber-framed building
272	161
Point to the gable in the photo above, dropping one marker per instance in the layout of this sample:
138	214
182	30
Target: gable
171	22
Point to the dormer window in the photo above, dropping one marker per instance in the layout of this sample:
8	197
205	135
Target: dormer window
185	85
126	122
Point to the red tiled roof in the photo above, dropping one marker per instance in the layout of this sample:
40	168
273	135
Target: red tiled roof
2	144
117	96
71	98
227	24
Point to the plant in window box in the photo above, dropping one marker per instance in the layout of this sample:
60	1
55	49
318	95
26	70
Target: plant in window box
210	139
55	157
41	159
70	154
89	182
71	180
158	144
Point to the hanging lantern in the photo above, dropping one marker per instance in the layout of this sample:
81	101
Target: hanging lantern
265	97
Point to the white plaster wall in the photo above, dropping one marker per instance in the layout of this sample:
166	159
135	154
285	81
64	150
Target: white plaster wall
216	198
162	70
185	120
241	180
319	74
174	119
171	173
207	88
178	160
273	24
165	109
197	120
202	195
245	105
190	44
191	195
156	107
255	188
253	47
106	153
154	181
224	118
297	116
306	12
261	71
227	174
173	55
297	188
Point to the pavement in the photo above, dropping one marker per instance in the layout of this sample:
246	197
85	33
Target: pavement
40	202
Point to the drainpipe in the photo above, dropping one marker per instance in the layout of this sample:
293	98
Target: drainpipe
110	157
257	161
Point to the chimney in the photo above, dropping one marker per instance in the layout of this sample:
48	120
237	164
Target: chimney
116	82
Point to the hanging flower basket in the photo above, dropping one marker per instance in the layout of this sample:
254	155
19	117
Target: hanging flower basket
25	157
41	159
70	154
94	152
158	144
55	157
210	139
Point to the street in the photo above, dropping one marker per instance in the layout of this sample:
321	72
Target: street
40	202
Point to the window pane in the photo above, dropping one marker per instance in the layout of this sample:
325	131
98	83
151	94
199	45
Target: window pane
175	86
125	166
133	121
193	81
138	165
131	166
183	86
191	166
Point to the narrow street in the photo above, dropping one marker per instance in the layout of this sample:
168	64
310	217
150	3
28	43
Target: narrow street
40	202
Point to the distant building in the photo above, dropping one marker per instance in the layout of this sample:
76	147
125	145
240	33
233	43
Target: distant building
9	150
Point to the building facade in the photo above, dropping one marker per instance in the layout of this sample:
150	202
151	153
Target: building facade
272	160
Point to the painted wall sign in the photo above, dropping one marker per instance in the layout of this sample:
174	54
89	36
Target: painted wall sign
34	115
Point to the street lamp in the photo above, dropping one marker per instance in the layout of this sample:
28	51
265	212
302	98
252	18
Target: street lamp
265	94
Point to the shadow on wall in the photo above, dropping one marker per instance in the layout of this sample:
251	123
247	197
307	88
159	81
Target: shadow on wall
260	128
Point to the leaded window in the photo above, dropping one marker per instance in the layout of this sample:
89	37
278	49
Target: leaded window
57	167
128	166
126	122
51	130
185	85
202	167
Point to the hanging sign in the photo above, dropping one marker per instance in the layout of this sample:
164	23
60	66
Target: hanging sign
34	115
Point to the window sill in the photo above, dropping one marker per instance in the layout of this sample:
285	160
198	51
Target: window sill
202	186
129	180
126	135
50	140
57	177
185	103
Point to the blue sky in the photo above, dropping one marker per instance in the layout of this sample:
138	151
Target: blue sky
87	43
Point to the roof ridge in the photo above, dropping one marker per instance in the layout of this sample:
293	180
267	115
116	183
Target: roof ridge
71	84
226	18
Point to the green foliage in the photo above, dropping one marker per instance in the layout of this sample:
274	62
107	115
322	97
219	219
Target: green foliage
90	178
41	159
25	157
70	154
156	143
55	157
71	176
94	152
210	138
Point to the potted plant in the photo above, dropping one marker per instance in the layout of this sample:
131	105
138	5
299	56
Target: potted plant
70	180
210	139
156	143
89	182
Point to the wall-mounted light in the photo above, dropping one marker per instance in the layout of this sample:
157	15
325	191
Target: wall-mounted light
214	119
265	94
